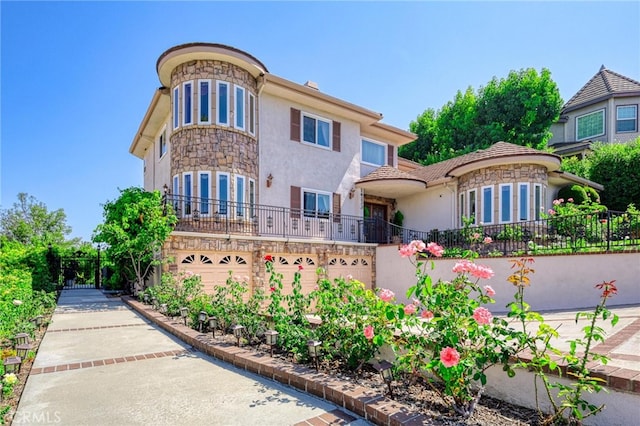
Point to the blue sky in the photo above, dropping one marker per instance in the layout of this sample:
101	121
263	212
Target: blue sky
77	77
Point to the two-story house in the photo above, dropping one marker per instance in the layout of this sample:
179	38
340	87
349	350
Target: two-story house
605	109
254	164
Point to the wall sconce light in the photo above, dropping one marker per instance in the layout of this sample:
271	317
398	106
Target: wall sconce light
352	192
269	180
213	324
271	338
385	370
237	332
165	189
314	351
202	317
184	311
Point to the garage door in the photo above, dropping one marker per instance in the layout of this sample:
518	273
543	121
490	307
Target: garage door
289	264
214	267
358	267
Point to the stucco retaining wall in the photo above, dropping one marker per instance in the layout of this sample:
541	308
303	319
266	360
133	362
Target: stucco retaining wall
559	282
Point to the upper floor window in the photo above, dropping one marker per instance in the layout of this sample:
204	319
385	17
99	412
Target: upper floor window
176	107
187	103
590	125
239	113
204	106
472	206
627	118
316	203
373	153
187	189
316	130
523	201
538	201
252	114
222	192
204	186
222	103
240	196
162	143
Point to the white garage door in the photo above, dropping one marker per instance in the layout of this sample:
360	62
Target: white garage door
358	267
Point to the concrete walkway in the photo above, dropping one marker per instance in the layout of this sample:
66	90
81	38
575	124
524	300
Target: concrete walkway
100	363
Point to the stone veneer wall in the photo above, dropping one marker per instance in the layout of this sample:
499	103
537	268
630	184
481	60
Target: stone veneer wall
511	173
209	147
260	248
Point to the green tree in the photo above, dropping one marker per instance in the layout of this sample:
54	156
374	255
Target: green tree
519	109
615	166
30	222
135	227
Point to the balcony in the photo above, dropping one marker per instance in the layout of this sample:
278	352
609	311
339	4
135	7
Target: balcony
232	218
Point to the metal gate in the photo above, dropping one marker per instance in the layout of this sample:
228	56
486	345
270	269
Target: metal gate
79	272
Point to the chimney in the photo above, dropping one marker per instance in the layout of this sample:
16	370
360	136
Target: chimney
312	85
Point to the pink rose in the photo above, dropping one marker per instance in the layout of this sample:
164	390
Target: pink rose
386	295
482	316
426	315
489	290
368	332
409	309
435	249
418	245
449	357
487	240
407	251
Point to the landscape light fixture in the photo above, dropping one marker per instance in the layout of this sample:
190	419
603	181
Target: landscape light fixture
385	370
314	351
271	337
184	311
237	332
154	302
39	321
12	365
22	350
164	309
145	299
213	324
202	317
21	338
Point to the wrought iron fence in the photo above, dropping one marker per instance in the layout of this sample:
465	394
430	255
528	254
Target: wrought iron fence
599	231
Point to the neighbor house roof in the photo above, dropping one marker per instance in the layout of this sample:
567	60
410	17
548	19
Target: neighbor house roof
603	85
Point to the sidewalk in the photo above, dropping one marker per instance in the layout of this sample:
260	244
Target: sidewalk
100	363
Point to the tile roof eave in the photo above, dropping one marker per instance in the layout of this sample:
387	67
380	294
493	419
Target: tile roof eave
608	96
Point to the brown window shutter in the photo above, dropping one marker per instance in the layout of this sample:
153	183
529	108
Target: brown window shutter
336	207
295	124
390	155
336	136
295	202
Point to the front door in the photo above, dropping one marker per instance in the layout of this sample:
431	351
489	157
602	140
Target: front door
376	223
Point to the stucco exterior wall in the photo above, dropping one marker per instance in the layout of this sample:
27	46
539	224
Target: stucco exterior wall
559	282
431	209
300	164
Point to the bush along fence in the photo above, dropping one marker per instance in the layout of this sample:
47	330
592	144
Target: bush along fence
566	228
446	335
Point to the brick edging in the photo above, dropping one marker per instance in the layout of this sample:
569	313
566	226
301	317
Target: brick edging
371	405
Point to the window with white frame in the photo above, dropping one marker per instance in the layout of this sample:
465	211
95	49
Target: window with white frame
462	206
523	201
316	203
204	105
204	192
162	142
187	103
538	197
239	112
176	107
590	125
176	192
316	130
487	204
472	210
187	189
252	197
373	152
627	118
505	200
222	192
222	103
240	207
252	113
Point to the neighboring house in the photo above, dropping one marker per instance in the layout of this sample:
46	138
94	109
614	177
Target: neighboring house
504	183
605	109
255	164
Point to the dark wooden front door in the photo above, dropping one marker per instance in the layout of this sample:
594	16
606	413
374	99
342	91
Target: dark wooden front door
376	223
